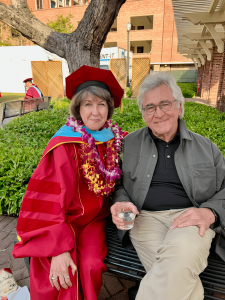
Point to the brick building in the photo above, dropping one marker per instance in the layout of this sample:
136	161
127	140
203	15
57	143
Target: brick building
153	32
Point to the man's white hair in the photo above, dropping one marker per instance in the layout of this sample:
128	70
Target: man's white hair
153	81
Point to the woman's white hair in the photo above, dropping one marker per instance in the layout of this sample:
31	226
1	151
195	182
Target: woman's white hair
160	78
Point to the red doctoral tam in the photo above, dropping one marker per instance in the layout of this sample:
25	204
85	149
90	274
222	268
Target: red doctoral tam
88	76
28	79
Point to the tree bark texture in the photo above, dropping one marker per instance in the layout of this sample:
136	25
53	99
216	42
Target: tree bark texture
82	46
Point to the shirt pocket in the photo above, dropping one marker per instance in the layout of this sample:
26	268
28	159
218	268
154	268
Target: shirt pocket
204	182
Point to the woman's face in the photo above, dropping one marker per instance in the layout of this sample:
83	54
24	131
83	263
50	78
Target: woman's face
93	112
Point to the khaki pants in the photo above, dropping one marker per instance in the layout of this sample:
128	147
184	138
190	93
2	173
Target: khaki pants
173	259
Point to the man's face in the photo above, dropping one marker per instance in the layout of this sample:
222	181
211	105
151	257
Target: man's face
163	124
28	84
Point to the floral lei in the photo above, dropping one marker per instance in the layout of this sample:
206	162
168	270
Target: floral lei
100	178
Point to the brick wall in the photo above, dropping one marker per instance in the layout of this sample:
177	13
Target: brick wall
216	68
199	78
212	77
206	76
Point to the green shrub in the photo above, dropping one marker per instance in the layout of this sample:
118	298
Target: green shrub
206	121
188	89
61	103
128	92
22	143
131	119
24	139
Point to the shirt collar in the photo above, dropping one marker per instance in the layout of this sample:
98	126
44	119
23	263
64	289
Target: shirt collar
182	132
155	138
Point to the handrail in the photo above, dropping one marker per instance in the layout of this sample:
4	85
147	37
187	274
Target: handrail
21	107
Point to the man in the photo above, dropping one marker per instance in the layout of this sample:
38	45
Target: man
33	91
174	180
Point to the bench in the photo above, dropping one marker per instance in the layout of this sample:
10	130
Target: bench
126	263
11	109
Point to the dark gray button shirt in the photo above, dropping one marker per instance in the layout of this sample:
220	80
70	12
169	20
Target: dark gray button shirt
166	190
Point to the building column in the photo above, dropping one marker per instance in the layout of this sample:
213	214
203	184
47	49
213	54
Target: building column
200	78
206	76
217	76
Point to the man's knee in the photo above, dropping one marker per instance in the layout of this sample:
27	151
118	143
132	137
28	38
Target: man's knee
186	252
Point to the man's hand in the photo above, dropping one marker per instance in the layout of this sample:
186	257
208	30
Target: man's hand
114	209
201	217
59	270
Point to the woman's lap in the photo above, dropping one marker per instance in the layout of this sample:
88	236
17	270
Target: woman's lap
89	255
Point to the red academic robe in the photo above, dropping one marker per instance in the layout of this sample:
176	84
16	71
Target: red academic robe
32	92
58	214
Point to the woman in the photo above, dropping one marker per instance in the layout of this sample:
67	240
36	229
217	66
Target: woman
61	223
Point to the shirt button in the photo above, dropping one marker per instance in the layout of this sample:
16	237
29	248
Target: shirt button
153	155
168	156
147	175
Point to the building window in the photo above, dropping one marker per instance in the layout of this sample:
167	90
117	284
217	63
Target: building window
67	2
114	26
111	44
141	46
141	22
140	49
52	4
39	4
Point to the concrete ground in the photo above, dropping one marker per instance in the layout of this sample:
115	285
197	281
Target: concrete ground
113	288
198	100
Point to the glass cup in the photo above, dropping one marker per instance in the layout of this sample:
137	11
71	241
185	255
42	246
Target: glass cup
125	213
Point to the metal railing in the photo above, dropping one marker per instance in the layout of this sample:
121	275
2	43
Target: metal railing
11	109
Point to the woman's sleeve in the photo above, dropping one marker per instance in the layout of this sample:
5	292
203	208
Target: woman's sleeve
41	224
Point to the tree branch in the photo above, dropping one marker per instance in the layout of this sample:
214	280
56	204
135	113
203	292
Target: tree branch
82	46
19	17
92	31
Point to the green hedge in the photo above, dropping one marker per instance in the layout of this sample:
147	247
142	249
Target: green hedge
23	141
189	90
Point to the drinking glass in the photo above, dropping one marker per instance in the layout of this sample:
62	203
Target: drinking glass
124	212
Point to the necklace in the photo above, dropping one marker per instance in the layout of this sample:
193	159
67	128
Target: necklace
100	178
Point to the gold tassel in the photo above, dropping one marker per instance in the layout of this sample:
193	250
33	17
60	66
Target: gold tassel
121	107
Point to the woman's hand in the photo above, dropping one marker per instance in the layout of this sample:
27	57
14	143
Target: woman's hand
59	272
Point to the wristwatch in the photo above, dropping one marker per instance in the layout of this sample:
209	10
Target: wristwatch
215	214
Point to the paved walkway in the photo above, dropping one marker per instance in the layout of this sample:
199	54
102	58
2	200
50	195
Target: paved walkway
113	288
199	100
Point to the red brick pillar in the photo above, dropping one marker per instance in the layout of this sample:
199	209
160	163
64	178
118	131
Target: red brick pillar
220	105
206	76
199	78
217	76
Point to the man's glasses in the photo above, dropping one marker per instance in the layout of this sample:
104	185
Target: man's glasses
150	109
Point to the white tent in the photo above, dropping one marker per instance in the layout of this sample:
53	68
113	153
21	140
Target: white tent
15	66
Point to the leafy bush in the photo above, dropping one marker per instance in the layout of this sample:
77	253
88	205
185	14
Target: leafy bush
128	92
206	121
131	118
62	24
60	103
23	141
188	89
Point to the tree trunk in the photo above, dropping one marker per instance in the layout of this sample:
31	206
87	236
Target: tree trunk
82	46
